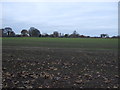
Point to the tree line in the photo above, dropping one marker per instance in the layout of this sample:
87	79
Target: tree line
34	32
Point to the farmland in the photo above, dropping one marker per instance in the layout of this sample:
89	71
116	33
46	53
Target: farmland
30	62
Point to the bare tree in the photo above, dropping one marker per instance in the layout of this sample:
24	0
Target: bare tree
74	34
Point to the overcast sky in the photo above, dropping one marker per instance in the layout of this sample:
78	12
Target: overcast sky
87	18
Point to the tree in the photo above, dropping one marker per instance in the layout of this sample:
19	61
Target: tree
104	35
11	34
55	34
8	32
66	35
74	34
1	33
24	33
33	32
45	35
51	35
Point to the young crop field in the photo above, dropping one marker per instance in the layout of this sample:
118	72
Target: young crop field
83	43
31	62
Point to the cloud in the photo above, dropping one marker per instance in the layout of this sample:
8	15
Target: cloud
60	1
87	18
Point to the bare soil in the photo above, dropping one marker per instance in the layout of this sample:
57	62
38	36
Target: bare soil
38	67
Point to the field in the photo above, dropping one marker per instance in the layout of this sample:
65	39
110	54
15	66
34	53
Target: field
59	62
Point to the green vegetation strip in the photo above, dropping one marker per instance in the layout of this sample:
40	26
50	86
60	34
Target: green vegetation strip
87	43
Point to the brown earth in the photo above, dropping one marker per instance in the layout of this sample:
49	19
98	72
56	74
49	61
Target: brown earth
25	67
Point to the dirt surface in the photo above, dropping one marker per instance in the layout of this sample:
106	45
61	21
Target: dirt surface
25	67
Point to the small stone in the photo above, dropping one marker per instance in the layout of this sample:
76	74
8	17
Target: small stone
79	81
20	87
115	87
29	87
